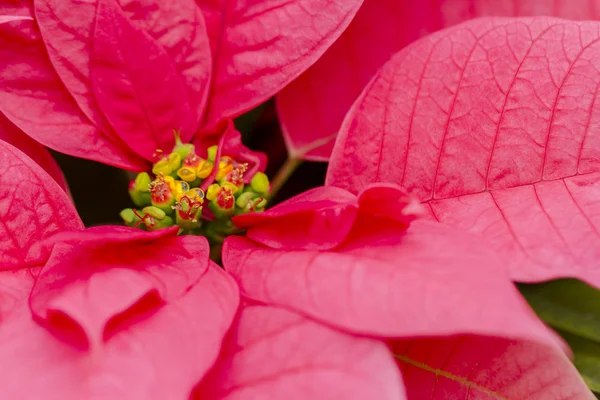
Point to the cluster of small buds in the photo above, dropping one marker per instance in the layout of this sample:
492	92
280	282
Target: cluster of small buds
173	195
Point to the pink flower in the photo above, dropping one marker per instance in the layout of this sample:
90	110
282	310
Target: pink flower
110	81
120	313
312	107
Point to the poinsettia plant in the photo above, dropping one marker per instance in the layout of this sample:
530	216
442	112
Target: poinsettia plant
120	313
469	162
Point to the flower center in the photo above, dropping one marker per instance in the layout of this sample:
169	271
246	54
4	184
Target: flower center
182	184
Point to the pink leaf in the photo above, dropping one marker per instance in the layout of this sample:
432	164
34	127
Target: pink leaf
32	208
137	84
273	353
476	367
38	153
135	363
493	125
313	106
52	117
386	280
260	46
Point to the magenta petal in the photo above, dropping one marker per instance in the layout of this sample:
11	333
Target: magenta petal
137	85
38	153
389	281
85	286
498	146
32	208
272	353
259	46
477	367
136	363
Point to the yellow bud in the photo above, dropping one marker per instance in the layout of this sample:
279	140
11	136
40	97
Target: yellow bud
174	159
170	182
162	167
187	174
204	169
180	188
195	194
225	167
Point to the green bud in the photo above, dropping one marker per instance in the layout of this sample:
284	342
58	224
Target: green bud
261	204
180	148
129	217
212	153
142	182
155	218
166	222
244	199
154	212
167	166
139	198
260	183
249	202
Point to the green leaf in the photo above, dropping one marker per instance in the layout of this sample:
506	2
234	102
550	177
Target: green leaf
586	358
568	305
572	308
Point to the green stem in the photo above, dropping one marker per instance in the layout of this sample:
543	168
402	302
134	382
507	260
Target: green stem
287	169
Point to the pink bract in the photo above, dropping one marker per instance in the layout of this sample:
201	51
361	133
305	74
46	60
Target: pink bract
13	135
313	106
110	81
383	275
496	134
300	359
